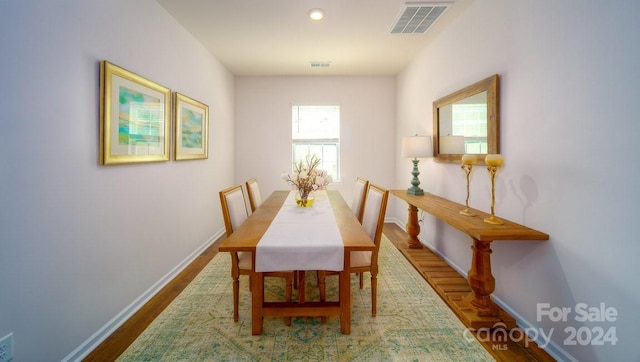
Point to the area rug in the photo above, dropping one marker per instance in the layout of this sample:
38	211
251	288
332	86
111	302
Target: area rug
412	322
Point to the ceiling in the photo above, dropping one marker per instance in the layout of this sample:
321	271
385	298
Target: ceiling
276	37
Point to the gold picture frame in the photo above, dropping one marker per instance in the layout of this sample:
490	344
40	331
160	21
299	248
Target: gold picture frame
191	120
135	117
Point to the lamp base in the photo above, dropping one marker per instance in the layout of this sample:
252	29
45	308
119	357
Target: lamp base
415	181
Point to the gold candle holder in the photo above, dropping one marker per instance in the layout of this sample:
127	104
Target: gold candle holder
493	162
467	166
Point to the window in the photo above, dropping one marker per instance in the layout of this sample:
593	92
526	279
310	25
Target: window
316	130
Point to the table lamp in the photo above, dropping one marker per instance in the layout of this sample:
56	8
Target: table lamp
451	145
416	147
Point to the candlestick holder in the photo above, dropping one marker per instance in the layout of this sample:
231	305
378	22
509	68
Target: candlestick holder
467	170
493	162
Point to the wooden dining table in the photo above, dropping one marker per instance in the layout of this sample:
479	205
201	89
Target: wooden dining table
247	237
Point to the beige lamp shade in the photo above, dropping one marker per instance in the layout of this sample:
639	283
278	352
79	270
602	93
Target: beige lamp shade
452	145
416	147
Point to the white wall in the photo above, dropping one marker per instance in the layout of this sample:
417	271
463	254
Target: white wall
79	242
569	129
263	127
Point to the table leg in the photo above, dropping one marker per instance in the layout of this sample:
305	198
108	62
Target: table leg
345	295
301	281
482	281
413	228
257	302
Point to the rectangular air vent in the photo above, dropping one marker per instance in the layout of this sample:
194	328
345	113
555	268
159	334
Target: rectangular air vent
320	64
416	18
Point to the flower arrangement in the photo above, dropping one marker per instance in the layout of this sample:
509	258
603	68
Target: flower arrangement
307	177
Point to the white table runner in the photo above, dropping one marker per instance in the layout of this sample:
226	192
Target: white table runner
302	238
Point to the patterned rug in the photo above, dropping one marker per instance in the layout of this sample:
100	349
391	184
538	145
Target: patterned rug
412	323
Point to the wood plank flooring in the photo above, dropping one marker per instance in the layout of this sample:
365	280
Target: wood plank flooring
449	284
452	287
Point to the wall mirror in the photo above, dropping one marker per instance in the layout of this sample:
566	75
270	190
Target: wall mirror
467	122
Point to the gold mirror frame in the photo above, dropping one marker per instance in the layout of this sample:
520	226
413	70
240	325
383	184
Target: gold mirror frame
491	86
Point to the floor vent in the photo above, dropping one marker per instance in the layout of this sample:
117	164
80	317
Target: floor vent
416	18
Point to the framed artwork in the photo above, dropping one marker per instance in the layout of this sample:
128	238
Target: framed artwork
191	128
135	117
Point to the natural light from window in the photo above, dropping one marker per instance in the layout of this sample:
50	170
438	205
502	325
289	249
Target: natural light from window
316	130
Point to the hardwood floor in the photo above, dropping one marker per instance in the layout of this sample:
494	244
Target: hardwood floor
449	284
452	286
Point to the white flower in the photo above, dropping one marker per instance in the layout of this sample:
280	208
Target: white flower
307	177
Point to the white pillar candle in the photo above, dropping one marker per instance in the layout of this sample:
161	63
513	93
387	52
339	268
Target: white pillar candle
468	159
495	160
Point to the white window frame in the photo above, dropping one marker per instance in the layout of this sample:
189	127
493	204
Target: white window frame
317	146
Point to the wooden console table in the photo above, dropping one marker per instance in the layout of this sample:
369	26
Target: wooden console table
477	310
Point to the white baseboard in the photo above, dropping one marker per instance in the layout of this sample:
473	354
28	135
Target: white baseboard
101	334
552	348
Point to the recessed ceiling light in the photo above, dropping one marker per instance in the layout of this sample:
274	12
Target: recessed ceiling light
316	14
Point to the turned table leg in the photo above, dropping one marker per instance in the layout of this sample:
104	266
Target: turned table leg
482	281
413	228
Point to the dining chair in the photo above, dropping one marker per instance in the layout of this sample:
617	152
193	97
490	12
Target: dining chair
254	194
359	195
375	206
234	212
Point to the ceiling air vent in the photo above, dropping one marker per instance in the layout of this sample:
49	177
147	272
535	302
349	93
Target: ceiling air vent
416	18
320	64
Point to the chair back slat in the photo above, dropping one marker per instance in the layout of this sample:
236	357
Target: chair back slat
375	207
360	193
254	194
234	209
